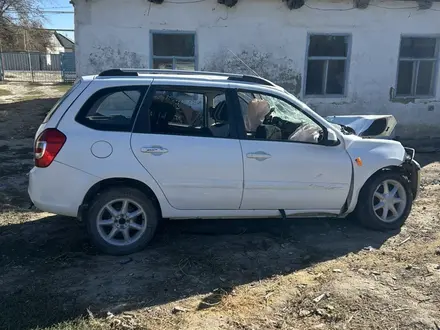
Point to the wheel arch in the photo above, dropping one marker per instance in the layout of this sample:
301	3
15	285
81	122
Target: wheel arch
391	168
115	182
354	201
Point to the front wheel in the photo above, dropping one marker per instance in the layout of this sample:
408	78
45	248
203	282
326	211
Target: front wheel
122	221
385	202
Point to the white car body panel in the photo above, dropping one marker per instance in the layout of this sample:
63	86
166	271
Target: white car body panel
121	163
301	179
375	154
63	106
296	176
65	188
196	173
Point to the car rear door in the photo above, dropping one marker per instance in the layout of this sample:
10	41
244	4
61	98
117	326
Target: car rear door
173	141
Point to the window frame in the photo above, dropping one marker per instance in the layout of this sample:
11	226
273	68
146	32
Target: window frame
328	58
143	115
241	126
173	58
60	101
434	78
80	117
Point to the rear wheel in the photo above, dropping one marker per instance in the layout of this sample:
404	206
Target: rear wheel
385	202
122	221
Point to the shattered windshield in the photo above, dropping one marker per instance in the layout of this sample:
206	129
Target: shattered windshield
346	130
279	108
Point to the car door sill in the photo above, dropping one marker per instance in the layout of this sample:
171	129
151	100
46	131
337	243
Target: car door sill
232	214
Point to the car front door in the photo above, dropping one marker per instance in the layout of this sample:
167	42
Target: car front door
196	166
284	167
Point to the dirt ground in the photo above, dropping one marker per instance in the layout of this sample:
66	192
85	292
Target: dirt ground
311	274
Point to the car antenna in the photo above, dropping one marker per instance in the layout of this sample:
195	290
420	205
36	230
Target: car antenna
247	66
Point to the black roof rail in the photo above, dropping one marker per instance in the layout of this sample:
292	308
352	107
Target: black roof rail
136	72
131	72
253	79
182	72
117	73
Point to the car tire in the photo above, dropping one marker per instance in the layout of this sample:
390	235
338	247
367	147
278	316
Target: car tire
371	207
118	231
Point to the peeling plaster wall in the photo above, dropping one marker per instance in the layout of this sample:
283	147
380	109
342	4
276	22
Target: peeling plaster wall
272	40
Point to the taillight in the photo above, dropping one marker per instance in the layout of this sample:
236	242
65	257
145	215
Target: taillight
47	146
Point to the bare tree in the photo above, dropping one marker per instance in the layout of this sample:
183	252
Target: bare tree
21	23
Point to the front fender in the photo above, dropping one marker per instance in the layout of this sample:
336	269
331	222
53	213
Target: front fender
374	155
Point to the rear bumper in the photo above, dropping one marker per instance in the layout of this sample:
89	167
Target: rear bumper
59	189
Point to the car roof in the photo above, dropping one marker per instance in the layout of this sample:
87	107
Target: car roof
182	75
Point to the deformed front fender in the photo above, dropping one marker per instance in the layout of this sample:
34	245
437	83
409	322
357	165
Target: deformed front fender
412	169
368	157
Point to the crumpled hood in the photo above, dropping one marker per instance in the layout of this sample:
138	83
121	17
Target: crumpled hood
368	126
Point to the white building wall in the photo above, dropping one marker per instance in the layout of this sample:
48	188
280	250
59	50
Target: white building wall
272	40
55	47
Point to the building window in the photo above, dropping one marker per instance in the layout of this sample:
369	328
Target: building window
327	65
417	66
173	50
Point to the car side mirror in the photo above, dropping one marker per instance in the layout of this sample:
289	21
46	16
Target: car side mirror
332	138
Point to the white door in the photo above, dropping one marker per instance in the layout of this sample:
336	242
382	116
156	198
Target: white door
285	167
195	169
294	176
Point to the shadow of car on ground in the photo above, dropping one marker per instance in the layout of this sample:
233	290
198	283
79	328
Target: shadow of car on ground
53	274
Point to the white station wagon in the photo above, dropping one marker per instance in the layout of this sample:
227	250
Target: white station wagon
126	148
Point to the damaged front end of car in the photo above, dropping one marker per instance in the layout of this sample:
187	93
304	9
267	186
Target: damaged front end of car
367	126
381	127
411	170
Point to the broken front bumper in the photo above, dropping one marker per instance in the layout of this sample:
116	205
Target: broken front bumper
412	169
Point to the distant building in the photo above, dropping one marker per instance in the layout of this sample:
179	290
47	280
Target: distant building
340	57
60	44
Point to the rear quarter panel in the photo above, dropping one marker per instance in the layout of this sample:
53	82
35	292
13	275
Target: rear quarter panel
120	163
64	104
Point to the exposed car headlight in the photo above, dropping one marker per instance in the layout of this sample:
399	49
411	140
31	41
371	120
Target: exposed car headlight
409	154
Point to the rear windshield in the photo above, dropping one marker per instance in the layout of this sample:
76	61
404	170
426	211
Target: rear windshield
60	101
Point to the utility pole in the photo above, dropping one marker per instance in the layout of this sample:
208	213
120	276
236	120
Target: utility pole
2	75
29	56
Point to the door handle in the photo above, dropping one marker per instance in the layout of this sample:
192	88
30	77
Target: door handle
154	150
258	155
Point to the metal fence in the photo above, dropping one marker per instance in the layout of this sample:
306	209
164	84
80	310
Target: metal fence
37	67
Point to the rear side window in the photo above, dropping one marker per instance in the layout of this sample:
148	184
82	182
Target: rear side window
111	109
60	101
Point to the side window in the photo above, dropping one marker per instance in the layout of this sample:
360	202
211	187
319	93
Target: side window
111	109
189	112
270	118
